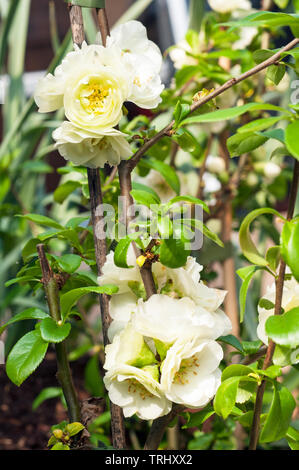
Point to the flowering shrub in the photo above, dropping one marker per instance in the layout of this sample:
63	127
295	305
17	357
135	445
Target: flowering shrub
169	183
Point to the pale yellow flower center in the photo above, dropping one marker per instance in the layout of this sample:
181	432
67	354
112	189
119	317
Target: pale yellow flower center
92	97
136	387
187	366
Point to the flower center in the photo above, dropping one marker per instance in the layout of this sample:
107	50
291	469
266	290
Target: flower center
187	366
93	96
135	387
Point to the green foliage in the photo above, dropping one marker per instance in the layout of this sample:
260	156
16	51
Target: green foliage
25	357
290	246
283	329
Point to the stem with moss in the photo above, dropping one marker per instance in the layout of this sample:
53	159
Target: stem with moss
254	435
64	374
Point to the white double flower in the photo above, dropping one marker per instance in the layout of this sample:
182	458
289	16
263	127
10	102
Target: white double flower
167	340
91	84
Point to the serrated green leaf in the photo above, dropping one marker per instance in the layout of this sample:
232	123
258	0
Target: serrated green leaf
25	357
232	341
244	142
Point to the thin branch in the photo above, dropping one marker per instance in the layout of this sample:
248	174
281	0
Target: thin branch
254	435
64	372
158	428
218	91
96	201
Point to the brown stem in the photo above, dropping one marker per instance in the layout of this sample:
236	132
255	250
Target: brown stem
96	201
254	435
158	428
218	91
64	372
230	302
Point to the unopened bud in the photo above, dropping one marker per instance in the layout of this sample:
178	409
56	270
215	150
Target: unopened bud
272	170
58	433
215	164
140	260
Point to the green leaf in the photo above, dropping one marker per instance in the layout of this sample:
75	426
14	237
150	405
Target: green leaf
92	377
279	416
273	257
291	138
64	190
190	199
74	428
236	370
52	332
275	73
28	314
168	173
292	436
259	124
244	142
173	253
186	141
290	246
165	227
205	230
70	298
25	357
145	198
251	347
231	113
261	55
46	394
232	341
226	395
42	220
283	329
121	251
246	275
197	419
247	245
180	112
68	263
282	4
60	446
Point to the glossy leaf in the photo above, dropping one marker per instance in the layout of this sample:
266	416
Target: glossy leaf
279	416
247	245
283	329
290	246
25	357
70	298
28	314
52	332
173	253
246	274
291	139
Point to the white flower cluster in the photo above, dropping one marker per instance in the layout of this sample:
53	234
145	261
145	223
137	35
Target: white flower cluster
163	349
92	83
